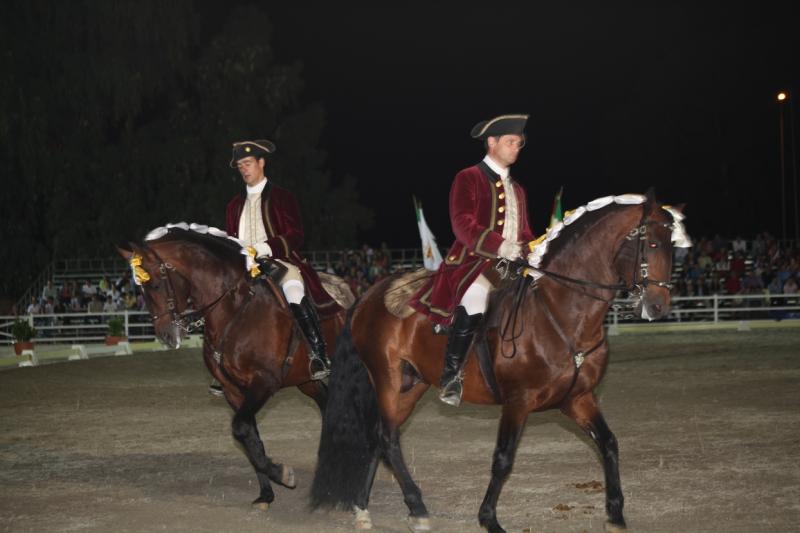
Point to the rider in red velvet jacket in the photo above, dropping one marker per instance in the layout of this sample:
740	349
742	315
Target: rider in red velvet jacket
488	213
278	235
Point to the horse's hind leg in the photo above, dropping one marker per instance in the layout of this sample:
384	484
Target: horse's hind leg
390	444
586	413
246	432
511	424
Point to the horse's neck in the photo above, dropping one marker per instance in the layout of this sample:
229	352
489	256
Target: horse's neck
209	276
590	256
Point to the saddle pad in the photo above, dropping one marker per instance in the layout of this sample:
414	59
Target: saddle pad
401	289
338	289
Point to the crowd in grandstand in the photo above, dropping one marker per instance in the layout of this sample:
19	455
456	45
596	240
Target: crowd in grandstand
103	296
720	266
711	266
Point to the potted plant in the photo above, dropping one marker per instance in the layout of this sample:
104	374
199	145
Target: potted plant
22	332
116	331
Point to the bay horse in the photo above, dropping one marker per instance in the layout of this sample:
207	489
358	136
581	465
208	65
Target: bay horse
552	357
193	277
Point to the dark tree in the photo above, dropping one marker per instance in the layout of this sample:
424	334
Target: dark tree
117	116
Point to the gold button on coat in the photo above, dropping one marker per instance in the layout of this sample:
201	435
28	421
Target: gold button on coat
501	195
498	184
500	222
501	209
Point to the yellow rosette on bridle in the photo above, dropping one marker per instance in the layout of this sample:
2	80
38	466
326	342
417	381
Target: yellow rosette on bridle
140	275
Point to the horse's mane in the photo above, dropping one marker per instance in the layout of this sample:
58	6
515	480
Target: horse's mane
576	223
216	241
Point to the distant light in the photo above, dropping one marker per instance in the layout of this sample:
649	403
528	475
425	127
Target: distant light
782	96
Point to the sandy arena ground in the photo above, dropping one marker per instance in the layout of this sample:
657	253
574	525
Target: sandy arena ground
708	426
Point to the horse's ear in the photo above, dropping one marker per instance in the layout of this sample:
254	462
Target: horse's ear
679	208
125	252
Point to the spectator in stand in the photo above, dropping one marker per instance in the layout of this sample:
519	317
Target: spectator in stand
65	293
48	308
34	308
104	286
75	302
775	285
88	291
109	306
739	245
129	299
759	245
738	264
49	291
733	284
124	282
752	284
704	261
790	286
95	305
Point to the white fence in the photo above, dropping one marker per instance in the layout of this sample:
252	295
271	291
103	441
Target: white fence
92	327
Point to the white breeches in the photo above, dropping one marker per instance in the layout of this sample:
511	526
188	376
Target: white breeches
476	298
292	283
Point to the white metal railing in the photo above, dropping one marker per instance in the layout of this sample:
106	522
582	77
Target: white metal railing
83	327
717	308
92	327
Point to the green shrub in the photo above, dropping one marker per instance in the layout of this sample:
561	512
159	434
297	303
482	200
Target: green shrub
22	331
116	326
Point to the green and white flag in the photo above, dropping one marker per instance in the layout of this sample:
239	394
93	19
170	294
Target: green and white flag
430	252
556	215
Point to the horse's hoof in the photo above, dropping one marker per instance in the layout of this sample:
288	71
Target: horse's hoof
287	477
261	505
615	528
419	523
362	520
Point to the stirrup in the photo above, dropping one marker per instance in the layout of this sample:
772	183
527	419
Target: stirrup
319	374
452	390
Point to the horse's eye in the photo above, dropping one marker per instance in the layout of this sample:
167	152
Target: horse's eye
653	244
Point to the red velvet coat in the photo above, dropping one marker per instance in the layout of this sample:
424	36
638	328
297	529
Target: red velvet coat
477	215
281	217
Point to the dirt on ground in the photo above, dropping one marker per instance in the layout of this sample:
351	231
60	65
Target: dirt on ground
708	427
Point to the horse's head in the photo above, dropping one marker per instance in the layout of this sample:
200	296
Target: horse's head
165	290
644	261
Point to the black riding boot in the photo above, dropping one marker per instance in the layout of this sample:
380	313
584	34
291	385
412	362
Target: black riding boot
461	334
319	366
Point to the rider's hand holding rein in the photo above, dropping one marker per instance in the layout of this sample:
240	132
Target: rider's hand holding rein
510	250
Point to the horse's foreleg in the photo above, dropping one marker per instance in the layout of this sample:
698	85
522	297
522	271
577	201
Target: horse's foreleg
586	413
246	432
390	444
511	424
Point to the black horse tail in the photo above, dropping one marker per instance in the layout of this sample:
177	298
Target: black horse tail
349	439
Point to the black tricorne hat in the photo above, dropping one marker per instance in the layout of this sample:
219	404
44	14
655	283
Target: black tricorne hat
257	148
502	125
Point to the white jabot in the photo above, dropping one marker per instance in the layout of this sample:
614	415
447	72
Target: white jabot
258	188
511	225
251	224
503	171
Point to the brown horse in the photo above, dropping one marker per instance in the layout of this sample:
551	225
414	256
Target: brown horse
250	342
544	348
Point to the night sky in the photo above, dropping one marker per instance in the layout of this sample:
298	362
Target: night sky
621	98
